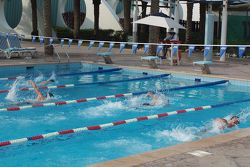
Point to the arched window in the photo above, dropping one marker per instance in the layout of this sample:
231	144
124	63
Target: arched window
68	15
13	12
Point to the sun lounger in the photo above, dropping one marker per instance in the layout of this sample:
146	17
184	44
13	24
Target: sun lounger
4	47
151	60
204	66
14	43
106	56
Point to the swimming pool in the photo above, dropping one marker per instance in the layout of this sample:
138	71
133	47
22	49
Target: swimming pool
89	147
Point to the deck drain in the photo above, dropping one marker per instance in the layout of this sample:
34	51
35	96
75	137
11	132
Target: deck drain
199	153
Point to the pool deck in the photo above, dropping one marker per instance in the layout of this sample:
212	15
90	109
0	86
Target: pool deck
227	150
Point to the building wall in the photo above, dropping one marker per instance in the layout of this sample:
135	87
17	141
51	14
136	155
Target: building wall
15	15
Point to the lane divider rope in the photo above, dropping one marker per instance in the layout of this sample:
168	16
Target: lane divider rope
71	74
93	83
117	123
59	103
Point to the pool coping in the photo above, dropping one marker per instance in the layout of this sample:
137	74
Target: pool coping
140	159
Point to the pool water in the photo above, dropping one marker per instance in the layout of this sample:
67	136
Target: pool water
91	147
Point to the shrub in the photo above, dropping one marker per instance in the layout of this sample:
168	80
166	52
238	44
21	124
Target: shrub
88	34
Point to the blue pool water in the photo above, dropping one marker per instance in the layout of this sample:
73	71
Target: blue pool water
97	146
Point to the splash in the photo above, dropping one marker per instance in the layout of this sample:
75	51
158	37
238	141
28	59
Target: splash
39	78
179	133
214	127
106	109
53	76
12	94
162	99
137	101
244	114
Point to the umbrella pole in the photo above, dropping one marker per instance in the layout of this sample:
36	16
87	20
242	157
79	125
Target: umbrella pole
224	28
176	19
209	29
135	19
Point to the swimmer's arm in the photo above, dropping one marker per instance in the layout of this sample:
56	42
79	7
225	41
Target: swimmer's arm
44	83
39	94
47	82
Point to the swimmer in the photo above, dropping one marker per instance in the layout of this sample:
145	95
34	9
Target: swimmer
40	96
223	123
154	98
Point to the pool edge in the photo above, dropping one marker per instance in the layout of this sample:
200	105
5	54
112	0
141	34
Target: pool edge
150	156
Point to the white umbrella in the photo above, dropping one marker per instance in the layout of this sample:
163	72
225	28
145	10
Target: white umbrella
159	21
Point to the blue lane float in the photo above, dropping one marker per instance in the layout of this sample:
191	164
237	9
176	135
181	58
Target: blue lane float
186	87
125	80
100	70
91	72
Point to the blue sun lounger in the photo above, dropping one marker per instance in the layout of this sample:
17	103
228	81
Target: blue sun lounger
14	43
4	47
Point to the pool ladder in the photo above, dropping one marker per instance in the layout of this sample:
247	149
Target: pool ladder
58	55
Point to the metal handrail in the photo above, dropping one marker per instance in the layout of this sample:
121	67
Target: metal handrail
58	55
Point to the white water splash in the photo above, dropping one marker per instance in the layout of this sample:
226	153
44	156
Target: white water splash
162	99
106	109
39	78
137	101
12	94
179	133
214	127
244	114
53	76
